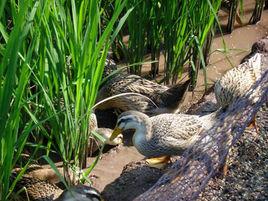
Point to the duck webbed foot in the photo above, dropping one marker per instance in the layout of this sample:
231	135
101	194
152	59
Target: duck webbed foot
158	162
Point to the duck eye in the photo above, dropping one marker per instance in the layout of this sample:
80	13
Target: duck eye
121	125
119	122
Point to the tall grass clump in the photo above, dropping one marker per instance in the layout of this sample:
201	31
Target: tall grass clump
52	56
177	28
15	56
73	46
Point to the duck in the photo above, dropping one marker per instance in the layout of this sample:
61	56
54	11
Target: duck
40	190
238	81
40	186
35	189
150	98
164	135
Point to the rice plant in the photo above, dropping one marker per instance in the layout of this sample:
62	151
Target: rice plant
72	50
14	75
52	56
177	28
256	16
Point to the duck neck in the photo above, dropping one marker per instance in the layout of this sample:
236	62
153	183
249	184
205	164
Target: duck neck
143	133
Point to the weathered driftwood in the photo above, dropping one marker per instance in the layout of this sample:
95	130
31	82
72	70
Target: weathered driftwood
189	176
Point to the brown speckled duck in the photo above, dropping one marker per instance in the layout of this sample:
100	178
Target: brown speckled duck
164	135
167	99
237	81
36	189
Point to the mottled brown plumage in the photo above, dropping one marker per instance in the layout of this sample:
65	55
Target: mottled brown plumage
238	81
40	190
36	189
164	134
167	99
110	66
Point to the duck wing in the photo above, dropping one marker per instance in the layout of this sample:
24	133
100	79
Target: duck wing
176	131
129	83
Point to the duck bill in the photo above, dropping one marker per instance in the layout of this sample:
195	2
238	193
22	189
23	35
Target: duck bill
115	133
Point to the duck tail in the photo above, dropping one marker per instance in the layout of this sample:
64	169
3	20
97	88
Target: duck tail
174	96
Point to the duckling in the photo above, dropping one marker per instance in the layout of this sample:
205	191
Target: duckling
164	135
80	193
167	99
